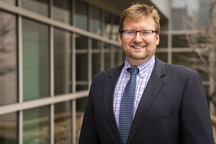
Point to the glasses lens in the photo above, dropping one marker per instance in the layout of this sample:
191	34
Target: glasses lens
145	34
129	33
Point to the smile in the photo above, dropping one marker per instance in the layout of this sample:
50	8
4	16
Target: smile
138	47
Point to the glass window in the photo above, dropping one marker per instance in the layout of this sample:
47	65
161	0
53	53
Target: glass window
81	42
81	87
107	46
191	60
8	59
13	2
107	60
63	127
107	56
115	28
96	57
8	130
123	56
162	56
80	109
164	25
81	67
81	15
35	60
62	11
62	62
38	6
188	15
107	25
163	41
81	63
82	71
36	126
179	41
116	56
96	44
96	63
95	20
177	23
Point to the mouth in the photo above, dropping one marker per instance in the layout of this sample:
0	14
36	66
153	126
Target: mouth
138	47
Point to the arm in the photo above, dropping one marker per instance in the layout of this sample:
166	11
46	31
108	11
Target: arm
88	133
196	125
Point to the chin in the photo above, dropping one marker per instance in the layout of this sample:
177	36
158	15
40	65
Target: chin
139	57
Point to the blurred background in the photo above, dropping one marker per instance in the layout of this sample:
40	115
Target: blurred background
50	51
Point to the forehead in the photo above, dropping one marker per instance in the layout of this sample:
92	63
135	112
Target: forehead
144	22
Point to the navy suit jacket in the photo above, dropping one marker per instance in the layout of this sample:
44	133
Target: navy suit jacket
172	110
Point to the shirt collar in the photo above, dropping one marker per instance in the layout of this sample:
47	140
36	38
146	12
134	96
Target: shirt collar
143	68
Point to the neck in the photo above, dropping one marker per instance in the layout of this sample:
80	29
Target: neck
137	62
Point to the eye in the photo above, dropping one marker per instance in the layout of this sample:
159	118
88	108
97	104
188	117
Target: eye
130	32
146	32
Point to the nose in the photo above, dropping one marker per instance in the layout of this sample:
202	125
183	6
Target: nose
138	38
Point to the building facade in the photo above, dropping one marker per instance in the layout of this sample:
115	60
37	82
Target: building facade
50	51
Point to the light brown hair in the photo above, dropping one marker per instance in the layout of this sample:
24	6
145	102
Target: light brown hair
137	11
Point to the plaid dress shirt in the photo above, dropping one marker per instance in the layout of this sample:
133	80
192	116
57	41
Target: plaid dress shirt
142	78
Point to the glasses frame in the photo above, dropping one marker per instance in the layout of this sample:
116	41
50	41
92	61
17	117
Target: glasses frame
152	31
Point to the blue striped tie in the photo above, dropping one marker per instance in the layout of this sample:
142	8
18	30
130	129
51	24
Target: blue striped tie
127	104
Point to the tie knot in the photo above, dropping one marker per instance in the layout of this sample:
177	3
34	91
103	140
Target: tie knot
133	70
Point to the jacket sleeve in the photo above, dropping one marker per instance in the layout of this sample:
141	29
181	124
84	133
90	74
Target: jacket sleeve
195	124
88	134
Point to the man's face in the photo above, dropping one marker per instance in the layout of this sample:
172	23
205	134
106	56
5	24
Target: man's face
138	49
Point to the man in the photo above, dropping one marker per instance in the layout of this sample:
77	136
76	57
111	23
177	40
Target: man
159	103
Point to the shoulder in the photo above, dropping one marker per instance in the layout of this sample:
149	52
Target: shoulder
173	71
179	68
175	68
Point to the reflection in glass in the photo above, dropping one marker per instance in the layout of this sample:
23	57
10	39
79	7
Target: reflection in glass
190	59
62	11
107	25
179	41
163	41
115	28
81	15
8	128
81	42
35	60
62	62
80	108
161	56
36	126
63	127
37	6
95	20
190	14
8	58
177	22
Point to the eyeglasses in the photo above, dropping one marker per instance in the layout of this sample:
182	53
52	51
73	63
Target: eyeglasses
145	34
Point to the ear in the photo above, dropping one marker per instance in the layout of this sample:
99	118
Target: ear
120	38
157	39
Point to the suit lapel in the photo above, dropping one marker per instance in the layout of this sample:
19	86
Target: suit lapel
108	100
153	87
